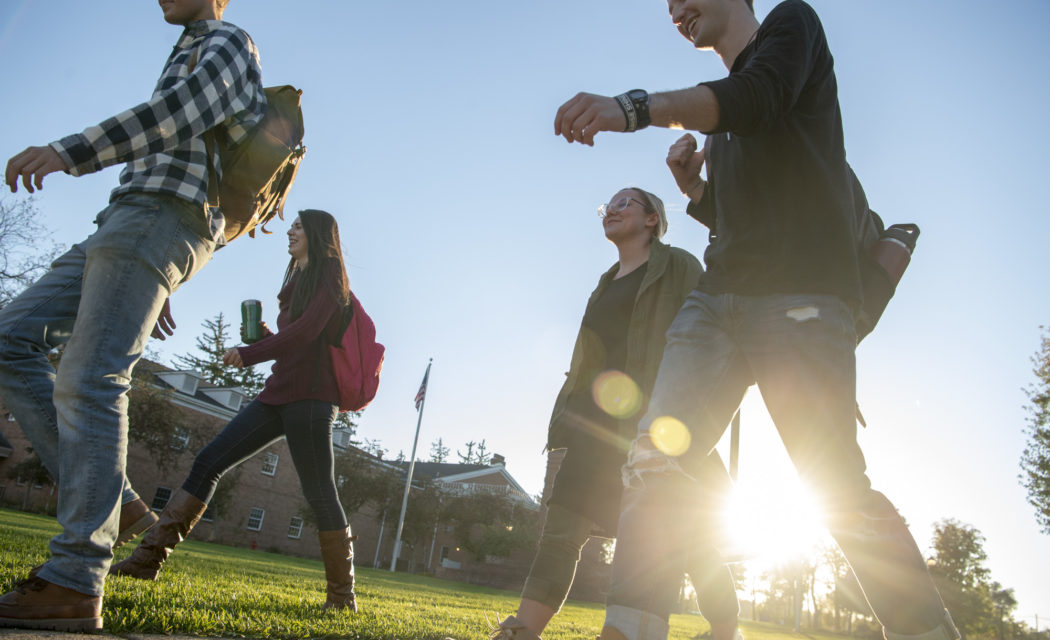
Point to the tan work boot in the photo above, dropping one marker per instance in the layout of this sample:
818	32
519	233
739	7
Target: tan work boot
36	603
175	523
337	553
135	518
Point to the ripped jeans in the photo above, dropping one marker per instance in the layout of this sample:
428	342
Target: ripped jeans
799	349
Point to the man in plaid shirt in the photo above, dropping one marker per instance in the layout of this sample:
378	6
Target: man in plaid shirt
155	234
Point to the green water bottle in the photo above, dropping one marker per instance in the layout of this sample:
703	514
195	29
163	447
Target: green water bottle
251	317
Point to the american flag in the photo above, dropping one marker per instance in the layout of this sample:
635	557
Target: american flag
422	393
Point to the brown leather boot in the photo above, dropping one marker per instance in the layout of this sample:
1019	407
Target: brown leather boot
135	518
179	517
337	553
36	603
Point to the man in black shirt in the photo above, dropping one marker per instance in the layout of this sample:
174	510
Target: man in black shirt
775	307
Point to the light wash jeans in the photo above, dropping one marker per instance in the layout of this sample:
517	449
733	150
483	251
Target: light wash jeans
799	349
101	298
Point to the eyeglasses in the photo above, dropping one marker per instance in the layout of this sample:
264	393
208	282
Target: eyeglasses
620	205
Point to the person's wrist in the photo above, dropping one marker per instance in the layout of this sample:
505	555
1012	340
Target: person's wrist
696	191
635	107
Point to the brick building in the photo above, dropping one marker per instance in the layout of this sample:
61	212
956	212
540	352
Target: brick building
260	503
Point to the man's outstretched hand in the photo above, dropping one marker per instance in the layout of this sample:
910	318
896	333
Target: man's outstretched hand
582	117
32	165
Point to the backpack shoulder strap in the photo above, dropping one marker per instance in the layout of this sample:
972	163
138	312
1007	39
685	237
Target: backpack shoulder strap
209	142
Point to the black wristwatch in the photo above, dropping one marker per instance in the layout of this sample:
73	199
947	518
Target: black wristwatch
635	106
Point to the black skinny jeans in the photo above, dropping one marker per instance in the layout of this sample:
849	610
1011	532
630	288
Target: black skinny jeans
307	424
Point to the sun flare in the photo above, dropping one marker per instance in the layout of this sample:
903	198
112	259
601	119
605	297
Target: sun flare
773	523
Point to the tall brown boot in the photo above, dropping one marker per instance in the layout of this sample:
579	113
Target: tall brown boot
179	517
337	553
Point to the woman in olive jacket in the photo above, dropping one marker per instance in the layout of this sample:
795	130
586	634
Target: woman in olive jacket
613	369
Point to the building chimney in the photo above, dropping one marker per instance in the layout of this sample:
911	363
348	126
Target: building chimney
497	459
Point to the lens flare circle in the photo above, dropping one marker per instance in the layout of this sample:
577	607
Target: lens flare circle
616	394
670	436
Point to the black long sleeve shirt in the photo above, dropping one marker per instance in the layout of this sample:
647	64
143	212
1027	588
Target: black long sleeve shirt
778	198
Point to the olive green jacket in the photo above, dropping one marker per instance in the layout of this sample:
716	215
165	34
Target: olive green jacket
671	274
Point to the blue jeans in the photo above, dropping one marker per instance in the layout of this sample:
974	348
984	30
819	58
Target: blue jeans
799	349
101	298
307	424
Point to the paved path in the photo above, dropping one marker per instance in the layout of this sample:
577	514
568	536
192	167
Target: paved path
28	634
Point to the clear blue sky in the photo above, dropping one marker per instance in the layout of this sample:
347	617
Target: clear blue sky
471	234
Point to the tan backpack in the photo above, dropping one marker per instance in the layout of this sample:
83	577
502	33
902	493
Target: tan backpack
258	172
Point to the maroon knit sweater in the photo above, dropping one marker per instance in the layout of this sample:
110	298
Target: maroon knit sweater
302	369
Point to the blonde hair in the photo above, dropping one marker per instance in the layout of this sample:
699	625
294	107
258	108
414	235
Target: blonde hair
653	204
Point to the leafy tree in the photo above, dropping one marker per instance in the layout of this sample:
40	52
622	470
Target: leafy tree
26	248
158	426
486	524
32	471
1004	603
375	447
212	346
1035	460
438	451
846	595
958	570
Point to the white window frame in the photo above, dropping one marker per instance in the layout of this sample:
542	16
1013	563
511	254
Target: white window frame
256	513
295	528
180	439
269	465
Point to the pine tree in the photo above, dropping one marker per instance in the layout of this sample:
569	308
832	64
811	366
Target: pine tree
212	345
481	454
438	451
468	457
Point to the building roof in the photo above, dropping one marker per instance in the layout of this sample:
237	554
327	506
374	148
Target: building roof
205	395
443	469
447	472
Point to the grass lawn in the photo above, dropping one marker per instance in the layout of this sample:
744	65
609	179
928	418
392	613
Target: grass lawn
214	590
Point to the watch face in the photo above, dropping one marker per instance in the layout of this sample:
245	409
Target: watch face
638	95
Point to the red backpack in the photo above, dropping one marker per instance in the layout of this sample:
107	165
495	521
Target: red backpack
357	360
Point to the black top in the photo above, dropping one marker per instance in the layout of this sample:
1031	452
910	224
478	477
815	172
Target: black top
608	319
778	199
592	461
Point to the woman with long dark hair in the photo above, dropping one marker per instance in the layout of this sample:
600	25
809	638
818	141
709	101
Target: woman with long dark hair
298	402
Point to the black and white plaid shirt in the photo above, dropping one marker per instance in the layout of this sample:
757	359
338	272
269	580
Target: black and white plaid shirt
160	139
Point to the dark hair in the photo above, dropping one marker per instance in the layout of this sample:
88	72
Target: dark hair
322	247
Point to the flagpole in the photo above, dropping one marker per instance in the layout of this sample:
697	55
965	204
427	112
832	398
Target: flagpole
411	469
